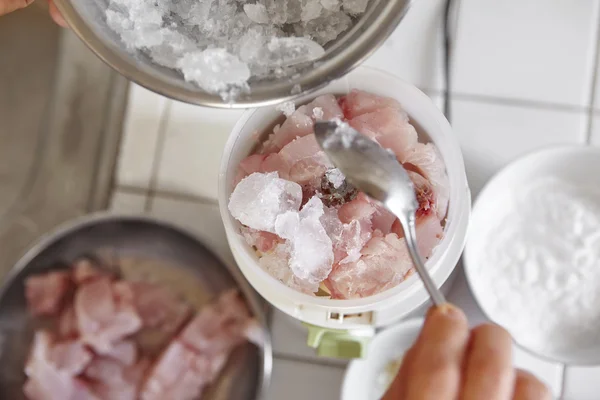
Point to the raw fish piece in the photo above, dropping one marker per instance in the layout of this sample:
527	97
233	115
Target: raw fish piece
382	218
46	381
115	381
102	321
360	209
196	358
124	352
426	160
70	356
67	323
390	128
385	262
297	125
358	102
305	159
45	293
429	233
263	241
328	105
311	248
277	264
425	195
252	164
219	326
274	163
258	199
85	270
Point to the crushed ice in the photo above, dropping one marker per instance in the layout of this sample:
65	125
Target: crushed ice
221	44
259	199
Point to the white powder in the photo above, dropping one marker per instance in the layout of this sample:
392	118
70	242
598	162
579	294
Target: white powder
536	266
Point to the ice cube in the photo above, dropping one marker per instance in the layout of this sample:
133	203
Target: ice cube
336	177
259	199
277	11
311	257
312	9
326	28
288	51
287	108
318	113
355	7
214	70
257	13
276	263
331	5
171	49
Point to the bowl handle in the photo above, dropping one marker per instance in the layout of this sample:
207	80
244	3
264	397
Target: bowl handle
338	343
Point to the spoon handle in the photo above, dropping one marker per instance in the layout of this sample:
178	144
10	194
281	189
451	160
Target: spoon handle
410	235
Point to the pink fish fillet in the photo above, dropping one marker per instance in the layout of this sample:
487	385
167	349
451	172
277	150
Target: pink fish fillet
263	241
197	356
328	105
388	127
384	263
357	103
295	126
427	161
45	293
103	321
112	380
45	380
305	159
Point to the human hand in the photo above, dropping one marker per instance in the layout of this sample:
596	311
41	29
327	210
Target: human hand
449	362
8	6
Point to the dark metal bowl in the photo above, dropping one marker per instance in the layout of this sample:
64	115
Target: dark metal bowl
150	249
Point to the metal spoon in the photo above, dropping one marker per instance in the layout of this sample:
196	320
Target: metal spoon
376	172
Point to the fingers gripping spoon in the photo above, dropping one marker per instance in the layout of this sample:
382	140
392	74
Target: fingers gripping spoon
376	172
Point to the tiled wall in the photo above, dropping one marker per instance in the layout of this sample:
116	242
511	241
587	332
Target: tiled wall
524	78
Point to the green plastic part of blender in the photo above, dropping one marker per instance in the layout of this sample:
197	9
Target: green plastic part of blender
333	343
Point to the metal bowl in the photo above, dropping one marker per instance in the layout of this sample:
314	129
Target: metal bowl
153	250
87	19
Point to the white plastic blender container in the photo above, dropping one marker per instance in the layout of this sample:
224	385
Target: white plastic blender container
341	328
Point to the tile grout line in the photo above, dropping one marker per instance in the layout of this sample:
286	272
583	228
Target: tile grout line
158	152
306	360
508	101
595	64
137	190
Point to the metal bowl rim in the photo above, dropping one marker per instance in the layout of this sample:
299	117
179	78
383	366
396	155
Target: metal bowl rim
362	44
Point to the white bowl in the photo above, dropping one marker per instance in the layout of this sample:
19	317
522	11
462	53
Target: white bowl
383	308
361	379
576	164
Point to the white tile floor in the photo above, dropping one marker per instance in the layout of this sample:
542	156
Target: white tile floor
525	78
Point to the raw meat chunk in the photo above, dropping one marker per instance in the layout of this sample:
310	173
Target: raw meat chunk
45	380
45	292
84	270
305	160
329	108
390	128
67	323
103	321
296	126
70	356
428	162
384	263
263	241
358	102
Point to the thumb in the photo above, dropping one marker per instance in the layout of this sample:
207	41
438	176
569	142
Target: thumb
8	6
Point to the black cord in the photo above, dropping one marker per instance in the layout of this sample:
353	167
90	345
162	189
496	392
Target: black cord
447	45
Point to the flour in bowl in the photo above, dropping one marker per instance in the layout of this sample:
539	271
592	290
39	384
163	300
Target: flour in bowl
536	266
